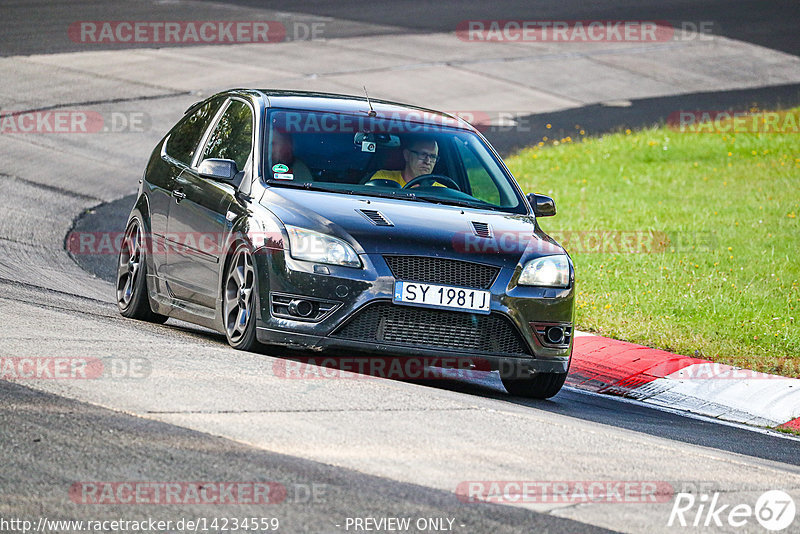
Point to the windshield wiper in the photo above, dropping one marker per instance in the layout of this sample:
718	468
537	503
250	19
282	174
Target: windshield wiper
305	185
387	194
310	186
462	203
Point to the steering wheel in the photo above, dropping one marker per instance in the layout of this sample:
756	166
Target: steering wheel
384	183
444	180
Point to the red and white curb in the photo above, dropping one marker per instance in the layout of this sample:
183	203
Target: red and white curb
698	386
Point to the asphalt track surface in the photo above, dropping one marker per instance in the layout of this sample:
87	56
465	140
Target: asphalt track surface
193	421
42	461
37	26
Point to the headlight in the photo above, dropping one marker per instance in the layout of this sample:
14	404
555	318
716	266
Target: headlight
551	271
314	246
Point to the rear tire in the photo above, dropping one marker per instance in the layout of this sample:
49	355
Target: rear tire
540	386
239	288
132	299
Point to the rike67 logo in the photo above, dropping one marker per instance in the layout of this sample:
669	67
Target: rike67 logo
774	510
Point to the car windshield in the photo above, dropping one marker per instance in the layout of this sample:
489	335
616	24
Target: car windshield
387	157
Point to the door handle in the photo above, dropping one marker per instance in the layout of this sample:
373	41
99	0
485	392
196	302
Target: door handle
178	194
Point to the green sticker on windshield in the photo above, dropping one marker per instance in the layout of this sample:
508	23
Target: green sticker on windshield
279	167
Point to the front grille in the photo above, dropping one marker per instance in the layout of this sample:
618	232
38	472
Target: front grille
442	271
438	329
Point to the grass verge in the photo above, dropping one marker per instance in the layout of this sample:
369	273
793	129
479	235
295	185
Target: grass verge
785	430
689	242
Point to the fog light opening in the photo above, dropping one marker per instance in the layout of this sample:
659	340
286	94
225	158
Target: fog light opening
301	308
555	335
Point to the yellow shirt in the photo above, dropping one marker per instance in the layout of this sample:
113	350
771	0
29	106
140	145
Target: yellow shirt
395	176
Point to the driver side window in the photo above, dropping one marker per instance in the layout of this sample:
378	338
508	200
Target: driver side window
232	137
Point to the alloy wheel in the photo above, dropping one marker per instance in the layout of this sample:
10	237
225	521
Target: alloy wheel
238	294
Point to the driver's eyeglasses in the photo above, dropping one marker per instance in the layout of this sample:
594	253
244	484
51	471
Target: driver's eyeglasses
422	156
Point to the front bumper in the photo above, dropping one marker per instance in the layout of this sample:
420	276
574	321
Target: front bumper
356	289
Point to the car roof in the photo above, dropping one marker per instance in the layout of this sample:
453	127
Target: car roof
336	103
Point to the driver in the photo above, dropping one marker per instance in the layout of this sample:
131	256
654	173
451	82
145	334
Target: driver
420	155
282	147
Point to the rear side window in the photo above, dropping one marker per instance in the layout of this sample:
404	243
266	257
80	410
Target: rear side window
184	138
232	137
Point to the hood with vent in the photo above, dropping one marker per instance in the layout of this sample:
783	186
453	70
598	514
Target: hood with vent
389	226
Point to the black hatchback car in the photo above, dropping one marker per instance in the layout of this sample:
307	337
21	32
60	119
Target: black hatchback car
339	223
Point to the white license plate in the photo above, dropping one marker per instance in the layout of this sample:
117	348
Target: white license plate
436	296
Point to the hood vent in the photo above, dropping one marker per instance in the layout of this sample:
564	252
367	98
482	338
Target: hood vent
481	229
375	217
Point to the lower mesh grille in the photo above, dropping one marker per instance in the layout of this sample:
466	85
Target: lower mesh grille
440	329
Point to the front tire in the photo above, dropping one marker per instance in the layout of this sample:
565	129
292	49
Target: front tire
238	300
131	286
540	386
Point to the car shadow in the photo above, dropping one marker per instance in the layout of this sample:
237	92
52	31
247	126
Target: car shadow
570	402
640	418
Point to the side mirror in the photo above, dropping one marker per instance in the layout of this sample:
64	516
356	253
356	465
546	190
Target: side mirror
543	206
218	169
